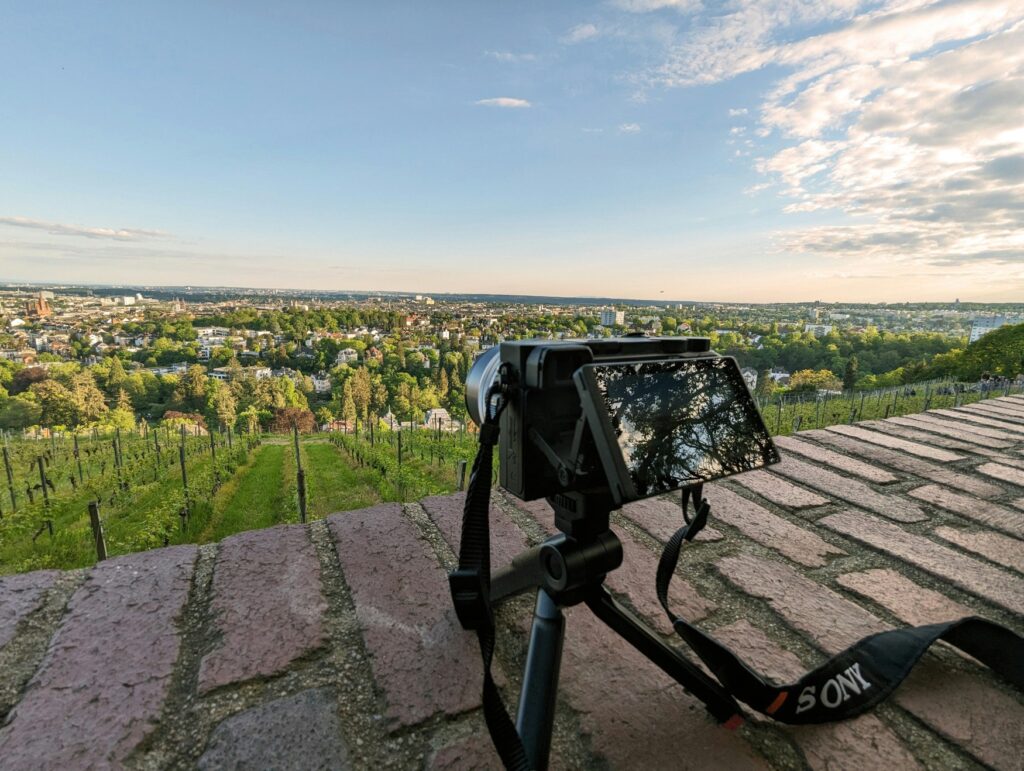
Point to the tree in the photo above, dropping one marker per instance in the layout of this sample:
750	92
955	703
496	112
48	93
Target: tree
813	380
850	373
56	403
221	405
19	413
765	384
115	377
285	417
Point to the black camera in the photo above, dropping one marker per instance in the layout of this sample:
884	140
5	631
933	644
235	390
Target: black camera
630	416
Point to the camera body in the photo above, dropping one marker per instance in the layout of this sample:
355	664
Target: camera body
546	446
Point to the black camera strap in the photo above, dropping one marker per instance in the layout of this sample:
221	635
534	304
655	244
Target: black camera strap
470	586
850	682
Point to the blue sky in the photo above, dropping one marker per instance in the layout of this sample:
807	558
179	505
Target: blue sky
669	149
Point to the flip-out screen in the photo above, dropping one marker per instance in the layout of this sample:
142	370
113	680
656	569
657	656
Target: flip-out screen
662	425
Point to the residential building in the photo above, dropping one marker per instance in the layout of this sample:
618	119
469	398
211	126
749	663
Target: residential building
981	327
612	318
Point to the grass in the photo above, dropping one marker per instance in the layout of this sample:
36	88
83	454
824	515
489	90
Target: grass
255	497
333	484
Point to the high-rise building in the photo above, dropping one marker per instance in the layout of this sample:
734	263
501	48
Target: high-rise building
983	326
612	318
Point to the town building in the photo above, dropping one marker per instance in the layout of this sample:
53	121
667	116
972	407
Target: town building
612	318
981	327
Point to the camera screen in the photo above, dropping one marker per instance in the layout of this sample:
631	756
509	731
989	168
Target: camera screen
680	422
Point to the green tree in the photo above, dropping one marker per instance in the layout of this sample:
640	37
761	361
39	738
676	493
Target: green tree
851	373
813	380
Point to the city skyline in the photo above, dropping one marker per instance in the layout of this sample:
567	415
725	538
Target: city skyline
643	149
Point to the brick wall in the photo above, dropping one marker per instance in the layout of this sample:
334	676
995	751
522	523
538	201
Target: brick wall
334	644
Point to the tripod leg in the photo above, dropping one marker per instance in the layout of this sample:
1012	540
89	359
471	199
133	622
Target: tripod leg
536	716
718	701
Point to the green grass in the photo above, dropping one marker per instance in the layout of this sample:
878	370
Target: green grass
254	498
334	484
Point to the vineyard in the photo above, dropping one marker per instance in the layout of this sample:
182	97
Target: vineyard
72	499
789	412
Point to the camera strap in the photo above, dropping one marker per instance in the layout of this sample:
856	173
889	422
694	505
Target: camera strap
850	682
470	586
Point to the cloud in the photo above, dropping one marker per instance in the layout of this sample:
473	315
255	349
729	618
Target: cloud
629	128
906	117
503	101
645	6
738	112
508	56
581	32
59	229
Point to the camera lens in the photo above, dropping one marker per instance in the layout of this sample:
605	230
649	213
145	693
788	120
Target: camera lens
481	376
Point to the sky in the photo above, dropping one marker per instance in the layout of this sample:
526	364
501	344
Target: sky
743	151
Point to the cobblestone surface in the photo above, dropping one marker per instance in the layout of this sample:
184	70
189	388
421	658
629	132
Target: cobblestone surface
335	645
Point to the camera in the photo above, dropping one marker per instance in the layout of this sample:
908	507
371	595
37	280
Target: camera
629	417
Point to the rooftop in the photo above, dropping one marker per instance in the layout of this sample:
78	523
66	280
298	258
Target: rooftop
334	644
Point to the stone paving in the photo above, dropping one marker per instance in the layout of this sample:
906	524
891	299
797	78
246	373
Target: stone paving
334	645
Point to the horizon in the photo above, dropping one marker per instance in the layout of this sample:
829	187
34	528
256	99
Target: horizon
867	151
5	284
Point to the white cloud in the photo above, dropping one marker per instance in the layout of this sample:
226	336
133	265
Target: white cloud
629	128
503	101
906	116
60	229
508	56
580	32
738	112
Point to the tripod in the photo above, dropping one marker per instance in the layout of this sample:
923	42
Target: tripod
569	569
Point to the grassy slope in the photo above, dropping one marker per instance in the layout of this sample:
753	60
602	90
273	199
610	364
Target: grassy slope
333	484
254	498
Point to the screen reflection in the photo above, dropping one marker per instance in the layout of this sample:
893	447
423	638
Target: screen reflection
678	423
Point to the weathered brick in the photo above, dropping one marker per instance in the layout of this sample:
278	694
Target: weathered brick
927	470
968	712
996	586
634	715
987	410
945	428
835	460
932	440
850	490
405	611
507	540
909	602
982	719
830	621
964	423
986	513
864	742
263	625
971	418
894	442
1014	476
294	732
661	517
19	596
778	490
100	689
473	753
1000	549
759	524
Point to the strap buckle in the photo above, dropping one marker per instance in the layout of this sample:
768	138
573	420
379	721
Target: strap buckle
472	606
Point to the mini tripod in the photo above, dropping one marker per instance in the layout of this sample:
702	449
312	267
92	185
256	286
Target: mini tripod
569	569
